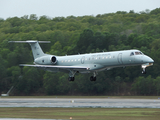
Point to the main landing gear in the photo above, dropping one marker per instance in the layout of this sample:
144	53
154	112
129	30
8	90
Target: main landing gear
71	75
93	78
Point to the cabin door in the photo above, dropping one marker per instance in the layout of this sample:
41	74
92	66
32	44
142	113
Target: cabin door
120	58
82	60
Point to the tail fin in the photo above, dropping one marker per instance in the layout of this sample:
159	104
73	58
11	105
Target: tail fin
36	49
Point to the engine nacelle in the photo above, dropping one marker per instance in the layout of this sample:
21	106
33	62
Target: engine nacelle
46	60
53	60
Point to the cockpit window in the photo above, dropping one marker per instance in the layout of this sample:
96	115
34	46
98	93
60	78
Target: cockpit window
138	53
132	53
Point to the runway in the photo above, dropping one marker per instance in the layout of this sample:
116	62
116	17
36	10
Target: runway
80	103
25	119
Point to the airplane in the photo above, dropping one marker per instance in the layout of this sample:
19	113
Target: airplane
86	63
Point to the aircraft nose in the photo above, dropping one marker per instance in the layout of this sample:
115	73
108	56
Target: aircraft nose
147	59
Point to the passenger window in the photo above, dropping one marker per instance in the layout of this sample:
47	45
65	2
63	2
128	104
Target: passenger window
131	54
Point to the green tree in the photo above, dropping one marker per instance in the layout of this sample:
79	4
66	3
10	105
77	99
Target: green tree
50	83
155	11
157	85
30	82
86	39
143	86
33	17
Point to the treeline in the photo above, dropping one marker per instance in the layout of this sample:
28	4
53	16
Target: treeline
72	35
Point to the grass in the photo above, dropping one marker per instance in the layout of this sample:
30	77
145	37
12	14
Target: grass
82	113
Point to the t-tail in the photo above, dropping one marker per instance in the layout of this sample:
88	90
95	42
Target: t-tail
36	49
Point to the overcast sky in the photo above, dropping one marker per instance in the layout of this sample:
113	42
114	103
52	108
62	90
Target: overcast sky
64	8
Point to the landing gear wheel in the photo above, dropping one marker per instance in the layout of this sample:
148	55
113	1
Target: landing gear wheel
92	78
71	79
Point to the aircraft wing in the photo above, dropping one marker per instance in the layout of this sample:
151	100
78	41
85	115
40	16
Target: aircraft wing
57	66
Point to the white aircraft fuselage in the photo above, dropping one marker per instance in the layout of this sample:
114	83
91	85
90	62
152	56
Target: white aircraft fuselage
87	63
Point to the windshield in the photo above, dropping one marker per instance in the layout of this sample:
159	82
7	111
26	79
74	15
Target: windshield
138	53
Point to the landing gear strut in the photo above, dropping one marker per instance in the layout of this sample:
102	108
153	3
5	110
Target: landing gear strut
93	78
143	71
144	67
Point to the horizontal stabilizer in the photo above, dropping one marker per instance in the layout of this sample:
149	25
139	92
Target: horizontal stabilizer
29	41
57	66
36	49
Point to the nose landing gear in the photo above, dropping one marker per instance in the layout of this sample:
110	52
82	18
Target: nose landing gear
143	71
144	67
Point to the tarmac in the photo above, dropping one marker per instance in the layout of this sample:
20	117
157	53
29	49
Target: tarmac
80	102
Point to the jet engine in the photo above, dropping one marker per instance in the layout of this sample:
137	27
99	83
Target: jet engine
46	60
53	60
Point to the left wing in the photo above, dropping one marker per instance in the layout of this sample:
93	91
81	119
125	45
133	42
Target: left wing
57	66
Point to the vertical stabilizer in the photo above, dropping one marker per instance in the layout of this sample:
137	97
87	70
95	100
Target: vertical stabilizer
36	49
